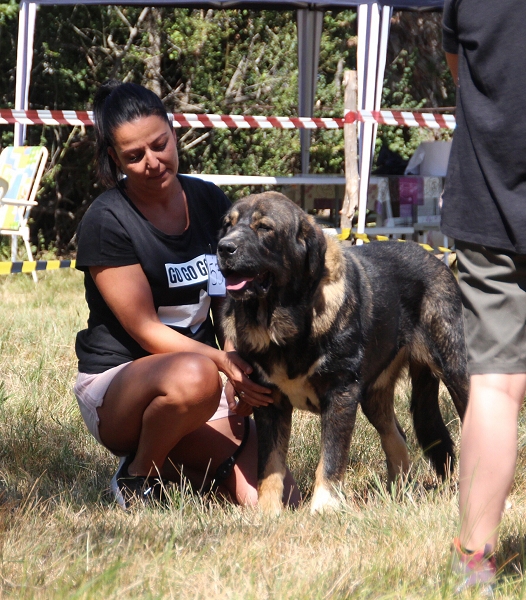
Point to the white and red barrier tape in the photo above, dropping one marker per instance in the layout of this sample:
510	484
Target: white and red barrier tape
382	117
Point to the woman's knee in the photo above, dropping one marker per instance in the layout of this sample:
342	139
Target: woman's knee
193	380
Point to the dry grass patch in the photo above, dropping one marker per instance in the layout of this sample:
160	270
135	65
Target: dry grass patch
62	537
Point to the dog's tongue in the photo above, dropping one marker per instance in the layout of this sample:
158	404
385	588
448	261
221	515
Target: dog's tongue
237	283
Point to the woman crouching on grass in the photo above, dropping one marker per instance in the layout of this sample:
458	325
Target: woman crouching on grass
149	386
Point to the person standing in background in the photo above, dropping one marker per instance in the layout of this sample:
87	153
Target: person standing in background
484	210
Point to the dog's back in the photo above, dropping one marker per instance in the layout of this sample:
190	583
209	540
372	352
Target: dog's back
410	290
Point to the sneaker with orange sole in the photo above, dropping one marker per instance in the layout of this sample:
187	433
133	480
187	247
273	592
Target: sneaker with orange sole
478	569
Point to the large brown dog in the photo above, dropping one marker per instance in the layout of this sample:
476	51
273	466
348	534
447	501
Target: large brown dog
330	327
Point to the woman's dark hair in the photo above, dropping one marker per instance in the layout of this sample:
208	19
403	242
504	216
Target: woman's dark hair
117	103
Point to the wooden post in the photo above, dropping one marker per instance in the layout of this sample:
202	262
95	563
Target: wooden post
350	199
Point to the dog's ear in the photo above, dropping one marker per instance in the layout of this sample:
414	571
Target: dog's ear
316	245
229	219
224	226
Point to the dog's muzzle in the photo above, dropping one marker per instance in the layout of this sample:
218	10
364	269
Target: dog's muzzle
242	281
226	248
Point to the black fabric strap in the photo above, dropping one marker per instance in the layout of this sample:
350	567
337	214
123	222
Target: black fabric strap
225	468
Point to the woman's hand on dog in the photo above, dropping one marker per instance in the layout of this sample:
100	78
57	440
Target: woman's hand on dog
240	389
236	403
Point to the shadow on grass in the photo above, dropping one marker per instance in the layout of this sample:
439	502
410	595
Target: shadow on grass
52	460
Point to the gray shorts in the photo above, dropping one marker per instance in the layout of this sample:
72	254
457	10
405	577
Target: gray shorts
493	286
90	391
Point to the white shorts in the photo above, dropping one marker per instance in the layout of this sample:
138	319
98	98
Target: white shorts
91	389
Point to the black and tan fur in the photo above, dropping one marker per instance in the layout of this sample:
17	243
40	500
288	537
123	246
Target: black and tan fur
329	328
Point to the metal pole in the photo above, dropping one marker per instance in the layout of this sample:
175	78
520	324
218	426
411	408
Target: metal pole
24	61
309	25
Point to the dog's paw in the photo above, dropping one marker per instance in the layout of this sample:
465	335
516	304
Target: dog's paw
270	493
325	499
269	506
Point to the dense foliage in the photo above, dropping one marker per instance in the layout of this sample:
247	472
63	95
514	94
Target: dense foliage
229	62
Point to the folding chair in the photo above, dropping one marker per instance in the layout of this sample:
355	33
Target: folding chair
21	168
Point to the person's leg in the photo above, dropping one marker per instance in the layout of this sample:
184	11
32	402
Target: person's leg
155	401
488	455
157	408
200	453
493	286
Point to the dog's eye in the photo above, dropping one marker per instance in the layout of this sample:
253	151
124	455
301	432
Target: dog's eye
263	227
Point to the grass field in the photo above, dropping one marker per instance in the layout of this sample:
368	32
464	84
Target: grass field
62	537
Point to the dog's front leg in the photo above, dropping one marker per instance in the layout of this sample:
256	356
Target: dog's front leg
273	424
338	416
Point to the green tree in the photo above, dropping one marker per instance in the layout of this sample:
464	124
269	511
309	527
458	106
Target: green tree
416	78
203	61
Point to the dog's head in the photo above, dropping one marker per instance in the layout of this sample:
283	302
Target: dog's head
268	243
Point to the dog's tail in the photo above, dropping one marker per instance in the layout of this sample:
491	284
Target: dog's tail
431	431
